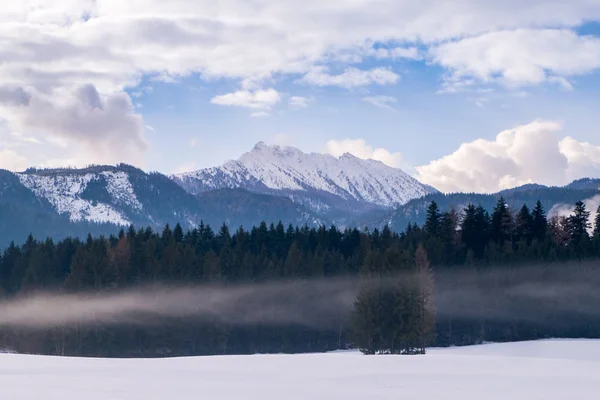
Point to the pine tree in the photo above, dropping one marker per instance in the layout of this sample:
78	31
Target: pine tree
432	221
502	223
475	229
577	227
178	233
524	225
539	222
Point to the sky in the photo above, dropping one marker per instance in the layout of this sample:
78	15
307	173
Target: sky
465	95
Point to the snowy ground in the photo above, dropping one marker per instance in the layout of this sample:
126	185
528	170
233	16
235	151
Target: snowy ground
554	369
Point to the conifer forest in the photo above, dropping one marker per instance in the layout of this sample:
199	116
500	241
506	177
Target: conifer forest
466	276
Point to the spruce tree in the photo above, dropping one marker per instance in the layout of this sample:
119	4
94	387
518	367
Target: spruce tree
578	225
502	224
539	222
432	221
475	229
524	225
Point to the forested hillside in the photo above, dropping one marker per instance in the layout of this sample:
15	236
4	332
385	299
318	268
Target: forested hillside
406	294
415	211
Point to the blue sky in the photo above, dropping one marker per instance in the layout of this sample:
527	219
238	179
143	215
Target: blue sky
173	86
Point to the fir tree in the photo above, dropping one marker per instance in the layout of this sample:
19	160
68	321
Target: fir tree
432	221
475	229
578	225
539	222
524	225
502	223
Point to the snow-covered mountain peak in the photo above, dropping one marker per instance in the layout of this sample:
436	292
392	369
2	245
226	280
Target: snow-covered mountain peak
284	169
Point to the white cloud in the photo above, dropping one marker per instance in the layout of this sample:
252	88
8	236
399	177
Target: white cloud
351	77
520	57
360	149
299	101
530	153
49	48
381	101
12	161
258	99
97	128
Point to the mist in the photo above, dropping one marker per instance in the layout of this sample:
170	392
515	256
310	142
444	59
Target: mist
528	293
308	303
565	210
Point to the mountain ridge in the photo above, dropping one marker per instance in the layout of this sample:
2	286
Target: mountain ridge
321	182
102	199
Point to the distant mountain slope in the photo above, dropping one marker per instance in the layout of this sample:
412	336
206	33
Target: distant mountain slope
23	213
101	199
585	183
322	183
415	210
237	207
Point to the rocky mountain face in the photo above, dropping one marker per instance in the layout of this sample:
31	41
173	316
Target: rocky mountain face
329	186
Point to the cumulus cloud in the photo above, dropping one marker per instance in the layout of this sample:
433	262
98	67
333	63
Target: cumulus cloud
520	57
351	77
360	149
12	161
104	128
258	99
530	153
381	101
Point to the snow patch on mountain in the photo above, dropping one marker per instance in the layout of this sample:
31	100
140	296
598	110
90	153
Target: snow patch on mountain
120	189
282	168
64	192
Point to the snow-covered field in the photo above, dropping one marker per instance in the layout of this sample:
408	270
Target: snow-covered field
554	369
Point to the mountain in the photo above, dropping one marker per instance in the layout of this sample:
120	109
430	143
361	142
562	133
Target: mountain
330	186
22	212
585	183
269	183
415	210
102	199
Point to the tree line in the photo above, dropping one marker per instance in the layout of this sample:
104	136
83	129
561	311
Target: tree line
399	277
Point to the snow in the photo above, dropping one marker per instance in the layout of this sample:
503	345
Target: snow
63	190
287	168
557	369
